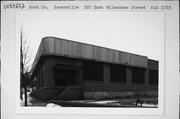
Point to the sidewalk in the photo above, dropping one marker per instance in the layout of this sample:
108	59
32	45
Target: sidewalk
32	101
148	102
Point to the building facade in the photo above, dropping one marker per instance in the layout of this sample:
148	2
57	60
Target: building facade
98	72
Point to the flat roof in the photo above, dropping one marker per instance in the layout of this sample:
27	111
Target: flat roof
67	48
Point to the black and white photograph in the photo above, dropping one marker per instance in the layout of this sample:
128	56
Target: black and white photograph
90	59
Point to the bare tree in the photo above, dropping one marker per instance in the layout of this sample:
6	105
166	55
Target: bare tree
24	66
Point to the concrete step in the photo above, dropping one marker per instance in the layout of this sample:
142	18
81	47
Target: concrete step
70	93
47	93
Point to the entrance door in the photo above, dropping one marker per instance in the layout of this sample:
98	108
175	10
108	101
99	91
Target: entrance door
64	77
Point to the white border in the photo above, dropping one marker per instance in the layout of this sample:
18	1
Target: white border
171	89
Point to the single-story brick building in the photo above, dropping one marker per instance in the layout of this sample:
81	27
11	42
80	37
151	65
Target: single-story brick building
65	69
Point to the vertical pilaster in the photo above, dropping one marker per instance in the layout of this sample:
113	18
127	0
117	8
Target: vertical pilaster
79	76
37	78
106	72
147	77
49	79
129	76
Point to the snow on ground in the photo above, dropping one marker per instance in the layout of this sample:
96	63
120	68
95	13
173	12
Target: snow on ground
104	101
29	99
52	105
121	102
150	105
32	102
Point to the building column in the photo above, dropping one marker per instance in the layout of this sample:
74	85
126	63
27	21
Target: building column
129	76
146	77
49	79
106	73
79	76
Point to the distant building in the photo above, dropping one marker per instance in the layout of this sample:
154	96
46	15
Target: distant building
65	69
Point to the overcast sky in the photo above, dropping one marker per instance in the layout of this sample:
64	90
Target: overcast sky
135	32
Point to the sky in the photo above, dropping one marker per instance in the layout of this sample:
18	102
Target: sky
135	32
